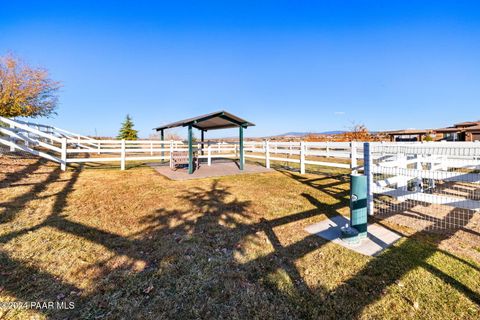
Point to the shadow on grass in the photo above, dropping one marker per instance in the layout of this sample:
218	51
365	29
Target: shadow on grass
14	176
369	285
190	269
14	206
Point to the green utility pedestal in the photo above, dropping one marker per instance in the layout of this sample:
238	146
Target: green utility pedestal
358	204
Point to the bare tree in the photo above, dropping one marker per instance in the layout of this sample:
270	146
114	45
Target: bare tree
26	91
168	136
173	136
357	132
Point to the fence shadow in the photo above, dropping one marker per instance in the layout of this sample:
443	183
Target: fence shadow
350	299
17	175
386	270
184	262
23	281
14	206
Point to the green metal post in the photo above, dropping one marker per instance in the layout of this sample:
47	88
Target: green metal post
358	204
202	139
241	148
162	138
190	150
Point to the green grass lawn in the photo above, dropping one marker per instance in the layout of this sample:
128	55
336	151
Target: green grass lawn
134	245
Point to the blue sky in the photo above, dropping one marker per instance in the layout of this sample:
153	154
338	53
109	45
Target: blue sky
285	65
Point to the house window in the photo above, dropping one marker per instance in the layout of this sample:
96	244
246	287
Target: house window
406	137
451	136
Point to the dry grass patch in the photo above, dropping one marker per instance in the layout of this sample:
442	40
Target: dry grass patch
135	245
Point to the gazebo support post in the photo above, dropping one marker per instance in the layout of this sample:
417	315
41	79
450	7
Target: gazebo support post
241	147
162	137
190	150
202	139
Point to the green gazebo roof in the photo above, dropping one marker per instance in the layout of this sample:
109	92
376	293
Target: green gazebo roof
211	121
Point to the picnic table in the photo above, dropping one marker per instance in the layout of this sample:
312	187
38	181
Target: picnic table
180	158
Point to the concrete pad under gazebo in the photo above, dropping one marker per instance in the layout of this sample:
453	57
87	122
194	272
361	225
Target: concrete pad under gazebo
212	121
219	169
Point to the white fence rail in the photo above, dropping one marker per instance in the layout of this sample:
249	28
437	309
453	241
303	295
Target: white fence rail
66	147
328	154
437	183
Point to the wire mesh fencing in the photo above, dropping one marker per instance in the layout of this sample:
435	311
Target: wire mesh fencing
431	186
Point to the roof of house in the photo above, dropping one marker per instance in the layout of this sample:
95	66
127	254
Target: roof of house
458	127
408	132
473	128
448	129
210	121
467	124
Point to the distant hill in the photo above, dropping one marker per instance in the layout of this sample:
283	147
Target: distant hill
301	134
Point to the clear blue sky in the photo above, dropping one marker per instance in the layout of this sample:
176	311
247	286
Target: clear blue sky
285	65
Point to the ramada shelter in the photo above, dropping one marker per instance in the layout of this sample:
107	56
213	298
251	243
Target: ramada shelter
212	121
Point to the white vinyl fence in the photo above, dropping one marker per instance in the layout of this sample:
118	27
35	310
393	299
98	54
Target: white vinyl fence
65	147
428	186
329	154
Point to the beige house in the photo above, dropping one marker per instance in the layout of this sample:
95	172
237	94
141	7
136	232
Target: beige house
409	134
464	131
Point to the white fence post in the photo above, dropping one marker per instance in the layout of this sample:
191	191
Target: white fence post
151	149
267	154
402	163
209	155
98	148
63	156
170	153
26	140
122	156
418	180
242	155
327	150
13	140
444	166
431	166
353	157
368	162
302	157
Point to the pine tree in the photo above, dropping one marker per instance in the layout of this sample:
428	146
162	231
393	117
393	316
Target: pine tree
126	131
